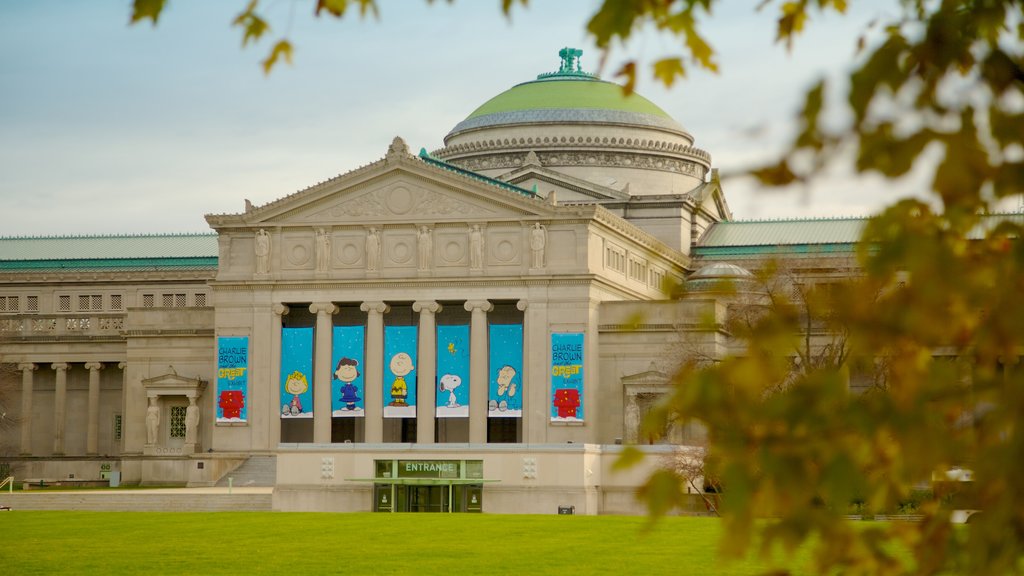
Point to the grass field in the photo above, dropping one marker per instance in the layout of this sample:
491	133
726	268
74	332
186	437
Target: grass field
300	543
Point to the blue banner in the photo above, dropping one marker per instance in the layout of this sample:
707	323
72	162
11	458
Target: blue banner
505	394
453	371
400	371
567	377
232	378
347	389
297	372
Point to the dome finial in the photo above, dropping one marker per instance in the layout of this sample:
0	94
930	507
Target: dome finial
570	66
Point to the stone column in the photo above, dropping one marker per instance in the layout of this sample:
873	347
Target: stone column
426	371
322	371
93	427
273	379
60	398
374	370
26	406
478	384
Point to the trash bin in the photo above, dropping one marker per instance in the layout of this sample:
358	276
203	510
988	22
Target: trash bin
566	509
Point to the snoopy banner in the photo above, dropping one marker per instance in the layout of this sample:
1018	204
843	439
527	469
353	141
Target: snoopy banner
505	396
297	372
232	378
567	377
347	390
400	371
453	371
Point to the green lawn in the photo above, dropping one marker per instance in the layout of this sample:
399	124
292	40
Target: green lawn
300	543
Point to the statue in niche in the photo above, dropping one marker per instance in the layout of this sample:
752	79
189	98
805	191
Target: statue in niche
538	240
425	244
152	421
191	422
476	248
372	249
262	252
323	250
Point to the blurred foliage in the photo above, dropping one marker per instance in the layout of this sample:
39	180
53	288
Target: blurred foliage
938	296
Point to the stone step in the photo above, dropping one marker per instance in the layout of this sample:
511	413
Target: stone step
138	501
256	471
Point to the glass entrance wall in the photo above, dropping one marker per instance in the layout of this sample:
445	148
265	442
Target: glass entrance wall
428	486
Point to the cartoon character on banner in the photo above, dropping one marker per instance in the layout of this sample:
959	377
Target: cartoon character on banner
295	384
401	365
506	388
347	371
449	382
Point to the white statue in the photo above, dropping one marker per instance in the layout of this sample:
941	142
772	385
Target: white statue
476	248
425	245
152	421
372	249
262	252
538	239
323	251
191	422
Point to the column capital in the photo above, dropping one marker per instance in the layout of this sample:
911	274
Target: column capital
522	304
27	366
379	307
323	308
93	366
428	306
59	366
482	305
280	309
122	365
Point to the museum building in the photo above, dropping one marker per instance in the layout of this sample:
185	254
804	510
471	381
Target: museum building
477	328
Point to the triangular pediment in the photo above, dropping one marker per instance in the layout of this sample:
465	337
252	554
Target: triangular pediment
401	188
709	198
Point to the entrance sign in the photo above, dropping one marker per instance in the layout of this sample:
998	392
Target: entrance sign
428	468
567	377
297	372
452	371
348	391
232	378
505	392
400	371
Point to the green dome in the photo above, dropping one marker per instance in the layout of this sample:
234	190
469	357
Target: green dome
569	94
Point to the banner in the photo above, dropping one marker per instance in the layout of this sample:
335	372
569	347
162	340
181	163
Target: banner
232	378
505	393
347	388
453	371
297	372
400	371
567	377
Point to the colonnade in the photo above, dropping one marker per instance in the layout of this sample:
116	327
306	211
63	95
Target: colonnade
28	370
373	369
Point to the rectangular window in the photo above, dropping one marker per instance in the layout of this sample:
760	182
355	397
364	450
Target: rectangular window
200	300
83	302
97	301
117	426
116	303
64	303
177	424
32	303
148	301
179	300
167	300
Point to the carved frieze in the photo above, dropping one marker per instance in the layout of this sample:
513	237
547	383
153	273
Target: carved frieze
586	158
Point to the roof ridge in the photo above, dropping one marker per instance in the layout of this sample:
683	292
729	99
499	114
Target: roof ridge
786	219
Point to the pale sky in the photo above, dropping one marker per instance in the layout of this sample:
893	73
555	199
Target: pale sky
107	128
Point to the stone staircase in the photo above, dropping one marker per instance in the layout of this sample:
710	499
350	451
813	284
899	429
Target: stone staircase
256	471
163	500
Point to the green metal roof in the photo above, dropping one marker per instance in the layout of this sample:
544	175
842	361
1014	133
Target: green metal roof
426	157
109	252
